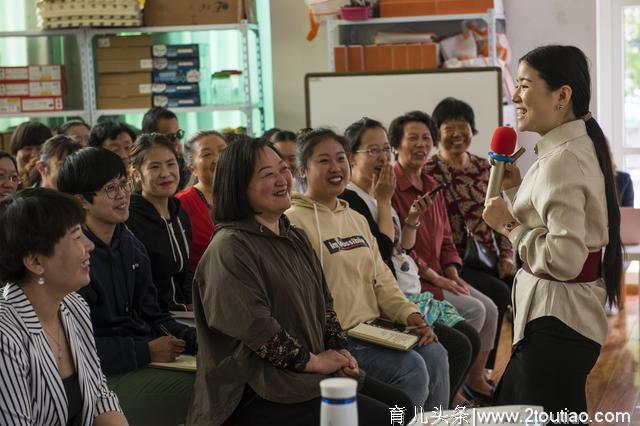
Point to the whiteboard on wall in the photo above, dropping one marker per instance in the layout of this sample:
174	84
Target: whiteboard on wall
336	100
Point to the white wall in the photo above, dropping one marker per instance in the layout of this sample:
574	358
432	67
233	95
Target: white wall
529	24
293	57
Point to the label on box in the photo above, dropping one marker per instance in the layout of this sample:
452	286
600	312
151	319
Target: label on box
145	89
169	89
14	73
175	50
45	88
176	76
14	89
104	42
174	102
41	104
177	64
9	105
45	72
146	64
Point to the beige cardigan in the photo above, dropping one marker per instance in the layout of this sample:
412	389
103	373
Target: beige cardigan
562	207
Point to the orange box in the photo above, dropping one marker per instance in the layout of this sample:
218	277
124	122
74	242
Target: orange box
429	55
340	58
371	58
355	56
399	57
414	56
385	57
391	8
452	7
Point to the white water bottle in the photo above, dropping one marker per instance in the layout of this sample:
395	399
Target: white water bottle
338	402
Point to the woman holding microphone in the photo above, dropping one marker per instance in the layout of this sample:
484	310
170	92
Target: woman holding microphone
564	217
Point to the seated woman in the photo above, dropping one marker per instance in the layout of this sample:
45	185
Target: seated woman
52	155
50	371
267	329
285	143
9	179
114	136
467	177
369	193
26	141
77	130
130	329
435	253
362	285
156	218
201	153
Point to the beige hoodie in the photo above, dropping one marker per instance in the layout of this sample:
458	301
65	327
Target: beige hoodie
361	283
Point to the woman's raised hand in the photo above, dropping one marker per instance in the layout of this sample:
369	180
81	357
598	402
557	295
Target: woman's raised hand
384	184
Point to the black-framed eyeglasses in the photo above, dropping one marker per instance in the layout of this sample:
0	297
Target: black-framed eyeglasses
375	151
112	189
175	136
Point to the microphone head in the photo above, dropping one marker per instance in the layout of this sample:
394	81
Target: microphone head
504	140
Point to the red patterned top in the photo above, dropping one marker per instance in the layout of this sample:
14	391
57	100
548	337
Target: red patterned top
465	197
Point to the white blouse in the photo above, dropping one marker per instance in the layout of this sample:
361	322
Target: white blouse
562	207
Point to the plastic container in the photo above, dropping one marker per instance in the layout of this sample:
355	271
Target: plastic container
227	87
339	406
356	13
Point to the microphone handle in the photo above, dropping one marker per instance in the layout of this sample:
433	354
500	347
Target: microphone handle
495	181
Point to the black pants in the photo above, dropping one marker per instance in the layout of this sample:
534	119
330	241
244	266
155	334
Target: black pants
462	343
374	401
495	289
549	367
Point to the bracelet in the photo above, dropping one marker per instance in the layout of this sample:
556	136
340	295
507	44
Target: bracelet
416	226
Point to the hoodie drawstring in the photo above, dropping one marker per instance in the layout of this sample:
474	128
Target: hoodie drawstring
315	212
175	247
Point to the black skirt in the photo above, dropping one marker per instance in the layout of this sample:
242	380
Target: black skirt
549	367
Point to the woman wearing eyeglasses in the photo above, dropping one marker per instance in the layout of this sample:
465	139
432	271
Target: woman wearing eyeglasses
157	219
9	179
115	136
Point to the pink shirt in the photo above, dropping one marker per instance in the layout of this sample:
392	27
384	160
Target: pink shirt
434	243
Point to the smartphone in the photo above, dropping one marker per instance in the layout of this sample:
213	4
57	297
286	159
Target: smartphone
436	189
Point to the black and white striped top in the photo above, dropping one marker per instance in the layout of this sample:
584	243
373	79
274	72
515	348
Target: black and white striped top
31	389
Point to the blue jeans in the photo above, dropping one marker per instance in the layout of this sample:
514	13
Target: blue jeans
422	373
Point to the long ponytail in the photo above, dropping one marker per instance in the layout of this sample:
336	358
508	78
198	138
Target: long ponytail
567	65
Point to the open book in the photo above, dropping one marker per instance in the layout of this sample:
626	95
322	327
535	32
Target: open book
182	363
384	333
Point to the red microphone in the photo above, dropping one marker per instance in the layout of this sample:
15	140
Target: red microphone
503	143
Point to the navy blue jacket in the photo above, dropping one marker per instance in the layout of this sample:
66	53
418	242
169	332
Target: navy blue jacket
624	185
124	304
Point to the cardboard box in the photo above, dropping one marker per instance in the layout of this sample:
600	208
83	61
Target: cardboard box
10	106
175	89
115	53
452	7
124	41
42	104
198	12
392	8
124	65
340	58
34	89
17	89
356	58
32	73
172	51
177	101
371	58
176	76
176	64
125	102
399	57
131	84
429	55
5	141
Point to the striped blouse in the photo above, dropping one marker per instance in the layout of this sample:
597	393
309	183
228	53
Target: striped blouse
31	389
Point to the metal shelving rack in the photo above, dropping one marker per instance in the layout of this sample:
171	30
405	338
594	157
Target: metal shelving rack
85	40
333	26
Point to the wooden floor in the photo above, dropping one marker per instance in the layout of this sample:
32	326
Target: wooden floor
614	383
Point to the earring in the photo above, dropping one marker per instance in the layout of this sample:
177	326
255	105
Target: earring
559	107
41	280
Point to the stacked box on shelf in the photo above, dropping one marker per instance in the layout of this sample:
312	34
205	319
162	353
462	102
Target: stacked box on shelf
36	88
176	75
89	13
124	67
395	8
386	57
